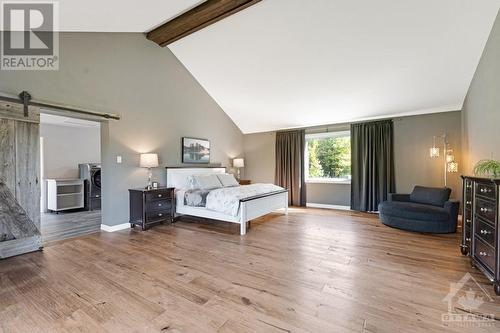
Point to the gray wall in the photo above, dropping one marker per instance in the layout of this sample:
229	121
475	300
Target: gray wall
158	99
65	147
260	157
413	137
481	111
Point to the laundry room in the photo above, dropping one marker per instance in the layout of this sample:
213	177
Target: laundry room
70	169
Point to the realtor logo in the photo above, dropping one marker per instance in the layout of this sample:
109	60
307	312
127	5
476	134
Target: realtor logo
464	304
29	35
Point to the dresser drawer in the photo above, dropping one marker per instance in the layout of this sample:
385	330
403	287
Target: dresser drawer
158	195
485	231
468	203
467	234
468	190
468	218
486	210
485	254
486	190
158	205
467	238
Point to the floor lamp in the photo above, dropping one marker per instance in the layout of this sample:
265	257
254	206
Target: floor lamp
450	165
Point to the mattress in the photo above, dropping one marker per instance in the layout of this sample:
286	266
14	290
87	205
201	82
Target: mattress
227	200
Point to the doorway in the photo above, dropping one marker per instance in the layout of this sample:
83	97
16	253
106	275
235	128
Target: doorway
70	169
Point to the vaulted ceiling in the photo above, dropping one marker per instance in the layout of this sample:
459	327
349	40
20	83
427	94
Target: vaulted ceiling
294	63
119	15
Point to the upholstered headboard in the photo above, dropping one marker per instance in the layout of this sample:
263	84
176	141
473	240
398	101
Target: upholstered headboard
177	177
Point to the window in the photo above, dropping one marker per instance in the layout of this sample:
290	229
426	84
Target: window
328	157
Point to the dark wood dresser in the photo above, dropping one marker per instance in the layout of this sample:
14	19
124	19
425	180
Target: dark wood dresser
151	206
480	229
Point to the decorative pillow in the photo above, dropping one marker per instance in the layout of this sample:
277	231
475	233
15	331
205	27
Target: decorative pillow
228	180
192	183
435	196
208	182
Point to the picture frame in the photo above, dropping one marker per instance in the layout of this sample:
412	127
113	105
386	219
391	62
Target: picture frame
195	150
155	185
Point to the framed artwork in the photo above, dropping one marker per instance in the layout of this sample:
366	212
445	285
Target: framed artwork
195	151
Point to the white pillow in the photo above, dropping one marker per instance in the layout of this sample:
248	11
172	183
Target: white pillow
208	182
228	180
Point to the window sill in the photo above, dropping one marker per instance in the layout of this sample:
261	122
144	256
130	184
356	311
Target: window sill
329	181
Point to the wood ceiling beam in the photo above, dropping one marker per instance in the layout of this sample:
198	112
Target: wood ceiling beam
199	17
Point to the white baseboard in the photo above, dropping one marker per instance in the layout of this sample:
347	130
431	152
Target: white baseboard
113	228
338	207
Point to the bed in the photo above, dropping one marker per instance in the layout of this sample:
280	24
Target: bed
249	207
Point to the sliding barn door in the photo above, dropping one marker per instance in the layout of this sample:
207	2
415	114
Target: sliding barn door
19	180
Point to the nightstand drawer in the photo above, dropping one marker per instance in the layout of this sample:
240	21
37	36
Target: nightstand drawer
157	205
158	195
158	215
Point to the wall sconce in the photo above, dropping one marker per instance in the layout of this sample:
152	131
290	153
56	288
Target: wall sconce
450	165
449	156
434	151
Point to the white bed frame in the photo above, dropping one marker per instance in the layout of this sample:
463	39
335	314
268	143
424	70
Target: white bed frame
250	208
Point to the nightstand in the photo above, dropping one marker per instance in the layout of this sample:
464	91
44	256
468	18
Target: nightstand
245	182
151	206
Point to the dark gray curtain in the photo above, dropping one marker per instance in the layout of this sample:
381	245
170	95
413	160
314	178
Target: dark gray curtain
290	149
372	164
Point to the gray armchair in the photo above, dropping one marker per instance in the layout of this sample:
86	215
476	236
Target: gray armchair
426	209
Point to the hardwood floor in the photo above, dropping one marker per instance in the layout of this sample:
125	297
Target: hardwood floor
311	271
69	224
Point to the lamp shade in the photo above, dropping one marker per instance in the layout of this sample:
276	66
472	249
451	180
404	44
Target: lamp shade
149	160
238	163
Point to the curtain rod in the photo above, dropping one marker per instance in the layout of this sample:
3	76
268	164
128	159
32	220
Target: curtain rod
25	99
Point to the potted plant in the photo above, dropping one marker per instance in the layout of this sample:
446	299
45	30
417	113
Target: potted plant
487	168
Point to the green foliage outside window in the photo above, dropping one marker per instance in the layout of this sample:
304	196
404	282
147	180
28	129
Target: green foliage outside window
329	157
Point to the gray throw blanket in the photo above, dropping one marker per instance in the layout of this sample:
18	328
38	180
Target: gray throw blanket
196	198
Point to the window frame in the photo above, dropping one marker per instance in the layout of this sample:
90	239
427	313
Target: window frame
323	135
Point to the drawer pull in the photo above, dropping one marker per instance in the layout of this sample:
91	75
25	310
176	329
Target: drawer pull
159	195
467	239
485	190
469	186
468	221
484	210
483	254
485	232
159	205
160	215
469	202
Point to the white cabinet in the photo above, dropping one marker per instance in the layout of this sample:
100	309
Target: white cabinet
64	194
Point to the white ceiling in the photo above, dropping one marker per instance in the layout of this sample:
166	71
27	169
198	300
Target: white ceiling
119	15
293	63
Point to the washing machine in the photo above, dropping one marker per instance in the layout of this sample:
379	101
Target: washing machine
91	174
